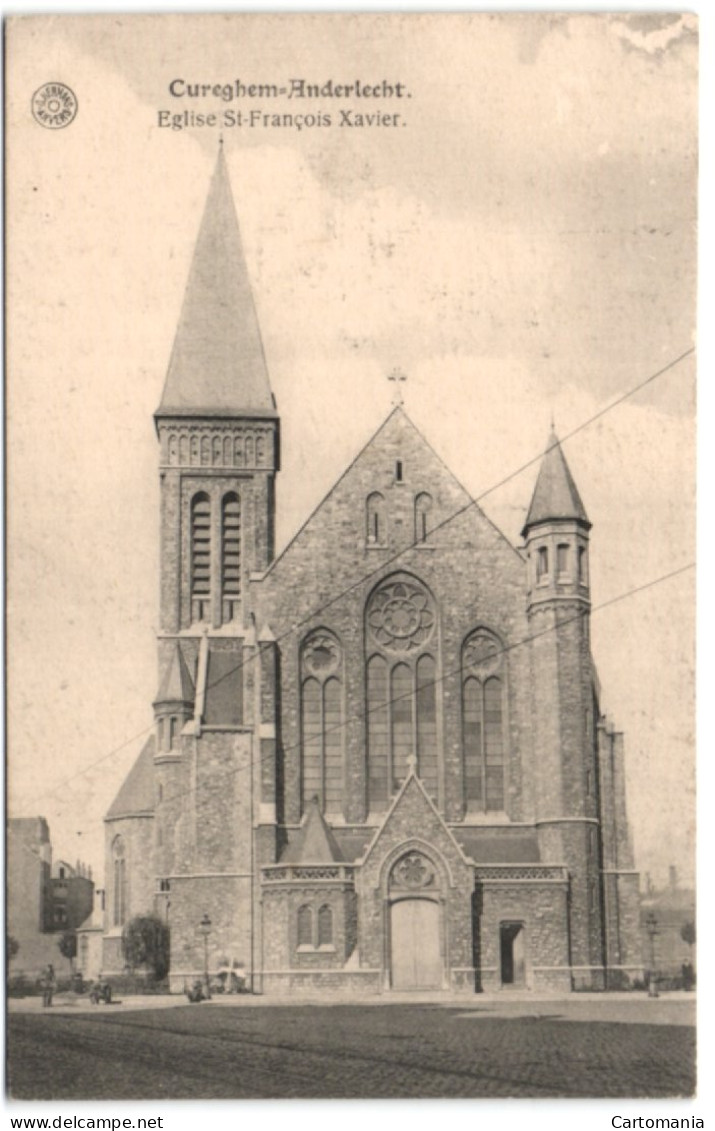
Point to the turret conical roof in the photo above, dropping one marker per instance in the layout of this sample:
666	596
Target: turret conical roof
177	685
555	495
217	365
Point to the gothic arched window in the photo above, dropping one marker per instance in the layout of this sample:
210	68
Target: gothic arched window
483	722
305	926
376	521
401	687
322	720
423	506
200	555
325	926
120	882
230	554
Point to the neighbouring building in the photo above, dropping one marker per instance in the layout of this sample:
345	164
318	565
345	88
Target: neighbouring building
43	899
380	760
72	893
673	909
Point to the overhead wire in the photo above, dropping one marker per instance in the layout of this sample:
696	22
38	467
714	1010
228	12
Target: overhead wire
379	570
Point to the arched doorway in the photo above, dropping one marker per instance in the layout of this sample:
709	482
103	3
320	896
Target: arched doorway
416	925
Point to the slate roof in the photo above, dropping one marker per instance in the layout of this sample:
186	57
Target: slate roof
217	364
177	686
555	494
314	842
508	847
136	796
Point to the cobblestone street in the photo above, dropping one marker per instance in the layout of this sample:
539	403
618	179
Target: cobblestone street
542	1049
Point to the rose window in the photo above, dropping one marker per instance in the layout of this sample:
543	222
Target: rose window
401	616
413	871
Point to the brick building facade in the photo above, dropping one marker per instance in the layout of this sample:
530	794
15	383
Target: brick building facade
44	899
379	759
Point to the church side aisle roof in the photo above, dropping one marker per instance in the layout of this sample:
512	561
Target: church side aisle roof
217	364
136	796
555	494
314	843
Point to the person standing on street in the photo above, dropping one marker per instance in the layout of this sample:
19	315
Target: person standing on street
49	985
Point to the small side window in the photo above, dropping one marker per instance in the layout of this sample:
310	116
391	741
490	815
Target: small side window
542	564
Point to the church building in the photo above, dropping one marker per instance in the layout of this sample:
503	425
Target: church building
379	761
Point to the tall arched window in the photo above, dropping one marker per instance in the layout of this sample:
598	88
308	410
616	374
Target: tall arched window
120	882
230	554
200	556
322	720
483	722
376	531
305	926
423	506
401	687
325	926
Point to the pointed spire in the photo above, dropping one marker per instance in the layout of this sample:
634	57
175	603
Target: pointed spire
177	685
217	364
555	495
315	843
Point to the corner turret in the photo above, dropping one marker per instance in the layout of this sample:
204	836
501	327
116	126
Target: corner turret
556	533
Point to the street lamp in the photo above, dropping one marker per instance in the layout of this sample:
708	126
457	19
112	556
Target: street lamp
205	928
651	926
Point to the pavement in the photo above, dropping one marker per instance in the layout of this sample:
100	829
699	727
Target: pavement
677	1008
584	1045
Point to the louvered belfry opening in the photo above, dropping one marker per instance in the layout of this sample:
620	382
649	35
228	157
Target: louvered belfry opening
230	555
200	557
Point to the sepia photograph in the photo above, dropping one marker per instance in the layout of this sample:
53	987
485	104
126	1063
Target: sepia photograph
350	519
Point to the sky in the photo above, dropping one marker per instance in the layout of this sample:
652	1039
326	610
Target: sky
522	247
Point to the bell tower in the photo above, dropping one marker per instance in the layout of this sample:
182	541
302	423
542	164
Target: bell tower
219	435
219	453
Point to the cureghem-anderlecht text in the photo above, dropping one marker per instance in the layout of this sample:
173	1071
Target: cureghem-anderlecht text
293	88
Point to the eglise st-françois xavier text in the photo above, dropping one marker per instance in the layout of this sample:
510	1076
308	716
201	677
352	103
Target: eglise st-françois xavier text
369	112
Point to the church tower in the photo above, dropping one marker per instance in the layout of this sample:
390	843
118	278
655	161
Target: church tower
556	533
219	450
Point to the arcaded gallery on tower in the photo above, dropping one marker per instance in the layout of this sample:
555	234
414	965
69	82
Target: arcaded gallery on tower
379	761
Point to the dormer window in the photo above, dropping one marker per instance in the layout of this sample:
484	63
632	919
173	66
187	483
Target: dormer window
398	471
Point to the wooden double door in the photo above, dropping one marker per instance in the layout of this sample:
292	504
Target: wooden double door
416	960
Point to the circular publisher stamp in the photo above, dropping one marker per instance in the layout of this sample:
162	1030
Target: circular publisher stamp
54	106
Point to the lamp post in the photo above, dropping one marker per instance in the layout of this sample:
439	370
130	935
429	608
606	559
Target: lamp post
205	928
651	926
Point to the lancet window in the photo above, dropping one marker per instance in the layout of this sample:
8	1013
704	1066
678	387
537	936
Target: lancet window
483	674
401	687
322	720
200	555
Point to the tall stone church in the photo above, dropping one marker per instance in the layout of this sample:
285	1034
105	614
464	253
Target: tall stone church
379	761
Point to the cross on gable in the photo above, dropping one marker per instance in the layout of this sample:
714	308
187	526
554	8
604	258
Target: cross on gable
397	376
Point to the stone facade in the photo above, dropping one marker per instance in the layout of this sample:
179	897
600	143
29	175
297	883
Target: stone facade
380	762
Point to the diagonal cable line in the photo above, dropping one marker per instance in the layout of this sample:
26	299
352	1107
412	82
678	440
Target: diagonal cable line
378	570
389	561
361	716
